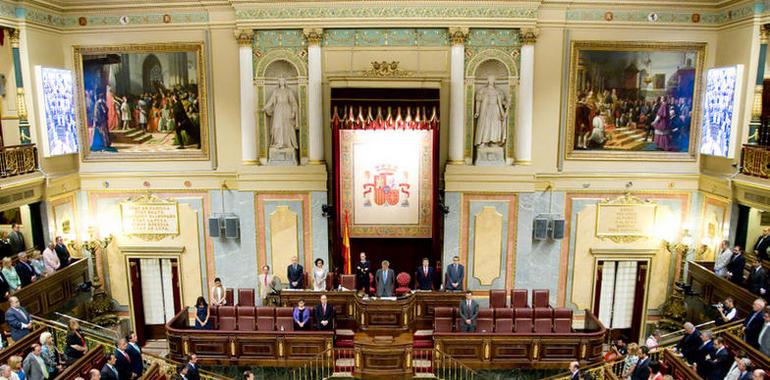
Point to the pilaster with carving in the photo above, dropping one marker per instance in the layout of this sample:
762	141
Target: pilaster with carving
24	133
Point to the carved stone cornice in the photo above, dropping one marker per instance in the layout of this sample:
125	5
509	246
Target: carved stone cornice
458	35
244	37
529	36
314	36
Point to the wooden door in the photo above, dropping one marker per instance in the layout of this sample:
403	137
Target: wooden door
135	283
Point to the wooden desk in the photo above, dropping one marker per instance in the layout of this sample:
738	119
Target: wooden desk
387	316
342	301
388	358
49	294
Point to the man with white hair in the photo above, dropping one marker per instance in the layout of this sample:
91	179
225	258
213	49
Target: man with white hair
574	369
704	350
720	265
759	374
752	325
50	259
688	345
5	372
24	269
744	366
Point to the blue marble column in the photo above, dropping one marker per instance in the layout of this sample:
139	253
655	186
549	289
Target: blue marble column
24	135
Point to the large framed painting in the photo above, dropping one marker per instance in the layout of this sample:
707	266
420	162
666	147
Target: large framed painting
143	102
633	100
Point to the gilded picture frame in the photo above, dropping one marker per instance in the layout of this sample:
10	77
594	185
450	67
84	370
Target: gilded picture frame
151	79
615	90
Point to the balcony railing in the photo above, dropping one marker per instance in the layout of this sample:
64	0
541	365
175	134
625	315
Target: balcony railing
755	160
17	160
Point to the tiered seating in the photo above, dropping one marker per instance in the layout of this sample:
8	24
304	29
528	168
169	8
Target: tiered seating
519	318
284	319
254	318
246	297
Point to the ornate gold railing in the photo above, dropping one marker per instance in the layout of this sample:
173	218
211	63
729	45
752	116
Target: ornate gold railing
446	367
17	160
755	160
320	367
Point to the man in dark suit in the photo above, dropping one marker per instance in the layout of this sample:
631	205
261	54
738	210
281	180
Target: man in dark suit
193	372
16	239
469	310
454	275
135	353
18	319
642	369
704	350
424	275
109	372
757	278
385	280
363	270
752	325
62	253
688	345
123	360
736	266
718	364
5	289
24	269
296	274
762	244
5	246
574	369
324	315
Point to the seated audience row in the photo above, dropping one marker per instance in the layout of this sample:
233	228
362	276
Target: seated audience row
264	318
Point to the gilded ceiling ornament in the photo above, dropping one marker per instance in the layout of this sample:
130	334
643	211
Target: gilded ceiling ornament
386	69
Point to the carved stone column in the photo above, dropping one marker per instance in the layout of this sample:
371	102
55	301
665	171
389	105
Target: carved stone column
24	134
456	95
249	141
523	134
315	147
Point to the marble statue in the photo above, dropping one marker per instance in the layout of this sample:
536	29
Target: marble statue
281	107
490	114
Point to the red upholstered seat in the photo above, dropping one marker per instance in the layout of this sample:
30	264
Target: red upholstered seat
443	312
543	312
519	298
442	320
504	320
522	320
540	298
403	279
246	297
497	299
458	322
329	281
265	318
543	325
485	321
229	297
227	318
372	290
214	317
562	320
348	281
246	318
284	318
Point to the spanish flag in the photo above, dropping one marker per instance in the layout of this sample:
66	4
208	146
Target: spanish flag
346	246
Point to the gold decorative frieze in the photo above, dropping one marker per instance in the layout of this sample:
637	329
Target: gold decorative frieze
244	37
529	36
458	35
314	36
384	69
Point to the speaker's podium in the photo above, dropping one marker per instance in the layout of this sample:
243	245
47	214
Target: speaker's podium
390	315
383	356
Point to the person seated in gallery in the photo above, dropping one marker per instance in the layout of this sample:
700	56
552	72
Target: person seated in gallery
424	275
762	246
24	269
36	260
727	312
296	274
62	253
469	310
688	345
736	266
363	270
11	276
301	316
454	275
50	258
324	315
202	314
385	280
752	325
218	293
319	275
756	282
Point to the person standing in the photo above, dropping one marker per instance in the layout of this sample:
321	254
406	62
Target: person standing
265	283
469	310
109	372
574	370
135	353
362	274
18	319
718	363
762	245
454	275
296	274
50	258
192	367
642	369
324	315
34	366
76	344
720	265
123	361
218	293
16	239
764	333
202	315
753	323
62	253
301	316
757	279
385	280
319	275
424	275
736	266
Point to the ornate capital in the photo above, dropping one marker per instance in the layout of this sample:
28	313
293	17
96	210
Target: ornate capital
764	34
244	37
314	36
458	35
529	36
14	35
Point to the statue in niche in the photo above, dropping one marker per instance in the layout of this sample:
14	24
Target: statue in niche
282	109
490	113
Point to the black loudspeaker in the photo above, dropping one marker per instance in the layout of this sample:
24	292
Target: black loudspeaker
232	227
540	229
557	229
215	228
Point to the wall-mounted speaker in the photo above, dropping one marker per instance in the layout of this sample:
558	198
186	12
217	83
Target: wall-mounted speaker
540	229
557	229
215	226
232	227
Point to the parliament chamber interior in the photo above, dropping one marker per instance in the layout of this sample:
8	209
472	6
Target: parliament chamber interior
433	189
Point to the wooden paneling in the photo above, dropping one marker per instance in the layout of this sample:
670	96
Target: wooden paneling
49	294
714	289
678	368
736	344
